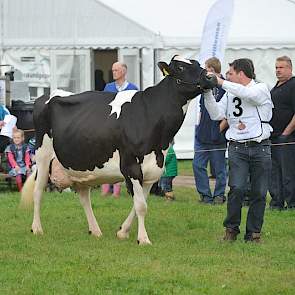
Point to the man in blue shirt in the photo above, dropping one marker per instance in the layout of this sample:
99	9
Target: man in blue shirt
119	75
210	145
120	84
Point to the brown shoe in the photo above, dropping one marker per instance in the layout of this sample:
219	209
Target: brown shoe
169	196
230	235
254	238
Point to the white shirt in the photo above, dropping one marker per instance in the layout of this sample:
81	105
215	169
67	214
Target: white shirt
248	109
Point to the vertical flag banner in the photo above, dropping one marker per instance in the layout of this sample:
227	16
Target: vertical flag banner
215	31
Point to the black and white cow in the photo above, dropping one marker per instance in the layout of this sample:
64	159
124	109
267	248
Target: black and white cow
101	137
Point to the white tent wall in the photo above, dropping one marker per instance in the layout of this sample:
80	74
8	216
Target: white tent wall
148	65
68	31
263	58
264	62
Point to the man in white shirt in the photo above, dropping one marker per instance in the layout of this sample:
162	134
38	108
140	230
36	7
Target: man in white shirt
247	106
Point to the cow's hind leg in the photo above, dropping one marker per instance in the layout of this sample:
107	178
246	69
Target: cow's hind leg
84	194
43	157
123	233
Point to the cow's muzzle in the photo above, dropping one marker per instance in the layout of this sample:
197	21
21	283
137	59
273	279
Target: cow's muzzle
207	81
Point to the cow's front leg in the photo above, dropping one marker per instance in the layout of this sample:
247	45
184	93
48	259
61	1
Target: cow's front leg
123	233
84	194
140	206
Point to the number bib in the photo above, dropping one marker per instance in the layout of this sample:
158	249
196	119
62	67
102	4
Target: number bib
244	120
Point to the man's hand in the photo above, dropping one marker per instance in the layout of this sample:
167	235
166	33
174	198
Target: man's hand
219	80
2	123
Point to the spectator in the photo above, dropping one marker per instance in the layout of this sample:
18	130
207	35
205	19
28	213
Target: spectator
247	106
4	140
282	189
210	145
170	172
32	147
120	84
18	157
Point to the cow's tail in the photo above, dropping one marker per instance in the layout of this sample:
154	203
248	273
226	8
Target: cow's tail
27	192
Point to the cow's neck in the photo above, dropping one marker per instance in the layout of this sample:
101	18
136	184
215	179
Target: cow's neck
172	104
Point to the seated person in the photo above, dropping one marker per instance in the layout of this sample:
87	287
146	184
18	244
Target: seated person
4	140
18	157
31	146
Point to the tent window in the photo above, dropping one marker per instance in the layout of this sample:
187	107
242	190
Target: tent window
33	92
27	59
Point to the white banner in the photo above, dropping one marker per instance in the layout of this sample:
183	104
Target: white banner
215	31
34	65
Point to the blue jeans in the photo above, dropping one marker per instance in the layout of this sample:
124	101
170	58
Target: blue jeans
165	183
200	163
248	160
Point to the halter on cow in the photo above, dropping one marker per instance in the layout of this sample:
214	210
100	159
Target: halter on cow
101	137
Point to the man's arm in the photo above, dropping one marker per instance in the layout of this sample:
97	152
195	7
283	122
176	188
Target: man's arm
223	125
256	95
290	127
215	109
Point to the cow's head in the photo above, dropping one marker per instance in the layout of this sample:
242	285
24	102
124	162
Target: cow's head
188	73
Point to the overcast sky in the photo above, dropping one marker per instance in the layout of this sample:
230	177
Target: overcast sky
164	15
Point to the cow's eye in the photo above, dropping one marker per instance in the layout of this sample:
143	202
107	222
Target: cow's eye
180	68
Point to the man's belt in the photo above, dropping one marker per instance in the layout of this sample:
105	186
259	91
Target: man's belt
250	143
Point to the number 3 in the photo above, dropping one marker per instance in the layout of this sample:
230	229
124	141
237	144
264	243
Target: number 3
238	102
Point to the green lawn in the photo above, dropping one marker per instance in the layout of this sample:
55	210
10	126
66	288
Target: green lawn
187	256
185	167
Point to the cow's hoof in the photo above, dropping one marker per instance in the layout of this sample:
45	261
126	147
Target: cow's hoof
37	231
143	242
96	233
122	235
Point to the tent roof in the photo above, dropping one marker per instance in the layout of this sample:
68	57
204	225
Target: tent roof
255	23
93	24
68	23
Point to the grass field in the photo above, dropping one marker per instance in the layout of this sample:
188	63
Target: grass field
187	256
185	167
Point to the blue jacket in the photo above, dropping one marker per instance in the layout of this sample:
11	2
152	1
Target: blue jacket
111	87
207	132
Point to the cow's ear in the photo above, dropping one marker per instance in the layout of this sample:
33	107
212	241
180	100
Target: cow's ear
164	68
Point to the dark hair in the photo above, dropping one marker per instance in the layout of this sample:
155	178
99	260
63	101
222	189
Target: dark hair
244	64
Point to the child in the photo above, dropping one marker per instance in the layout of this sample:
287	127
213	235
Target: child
18	157
31	146
169	173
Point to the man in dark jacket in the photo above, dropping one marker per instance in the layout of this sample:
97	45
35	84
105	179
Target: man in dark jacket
210	145
282	189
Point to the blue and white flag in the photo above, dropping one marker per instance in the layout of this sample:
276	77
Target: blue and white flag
216	29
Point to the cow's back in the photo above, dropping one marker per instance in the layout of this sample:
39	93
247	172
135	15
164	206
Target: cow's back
84	135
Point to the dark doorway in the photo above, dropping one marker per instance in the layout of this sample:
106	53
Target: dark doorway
103	60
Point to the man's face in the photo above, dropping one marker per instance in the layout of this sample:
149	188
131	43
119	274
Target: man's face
233	76
283	71
118	71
